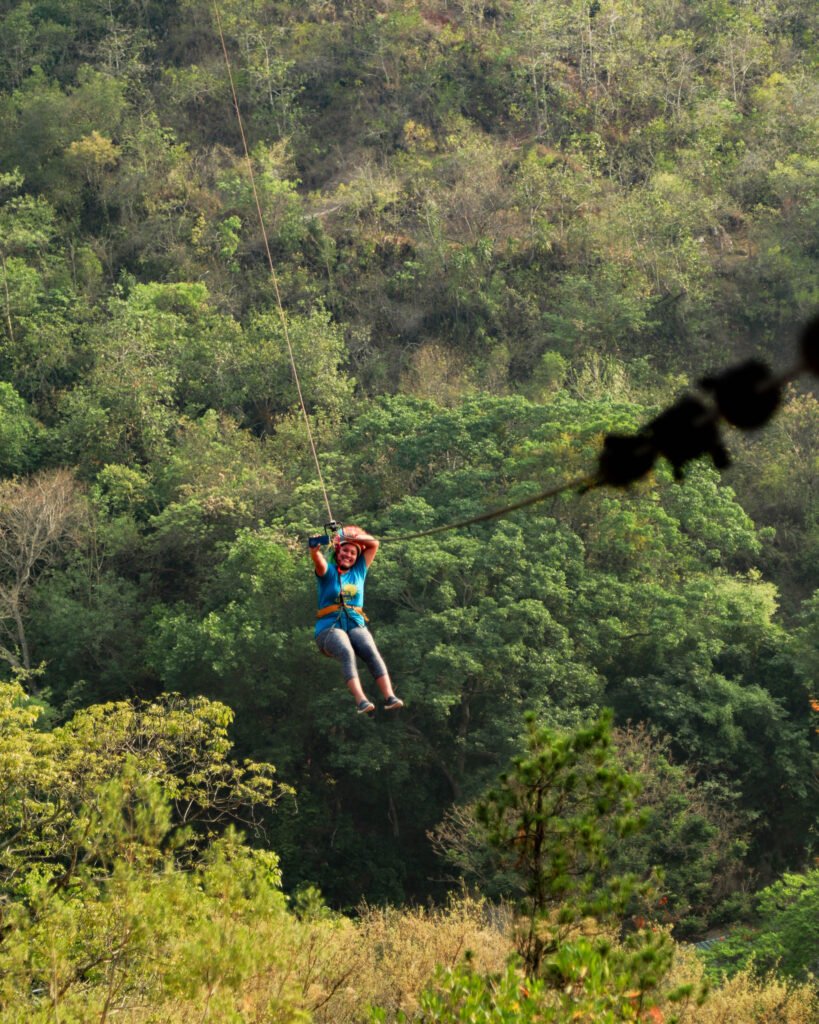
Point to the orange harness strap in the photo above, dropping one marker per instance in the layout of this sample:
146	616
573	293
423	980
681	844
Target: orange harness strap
330	608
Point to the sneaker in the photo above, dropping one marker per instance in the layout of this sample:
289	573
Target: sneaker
365	707
393	703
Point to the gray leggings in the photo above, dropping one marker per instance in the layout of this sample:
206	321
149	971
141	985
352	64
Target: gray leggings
345	646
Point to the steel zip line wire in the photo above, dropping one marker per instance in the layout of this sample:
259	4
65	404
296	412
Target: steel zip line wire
581	485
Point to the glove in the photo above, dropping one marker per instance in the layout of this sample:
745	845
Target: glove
316	542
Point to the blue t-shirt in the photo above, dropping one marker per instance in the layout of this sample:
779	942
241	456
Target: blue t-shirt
351	585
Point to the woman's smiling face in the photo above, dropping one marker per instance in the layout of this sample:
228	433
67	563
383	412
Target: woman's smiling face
346	556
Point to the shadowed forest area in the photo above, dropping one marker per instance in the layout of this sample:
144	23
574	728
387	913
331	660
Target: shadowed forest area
501	231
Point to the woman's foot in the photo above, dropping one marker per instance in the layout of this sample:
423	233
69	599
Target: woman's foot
393	703
365	707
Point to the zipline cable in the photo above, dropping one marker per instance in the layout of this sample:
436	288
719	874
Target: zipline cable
744	396
273	275
581	485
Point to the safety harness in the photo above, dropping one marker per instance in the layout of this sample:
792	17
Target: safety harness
341	605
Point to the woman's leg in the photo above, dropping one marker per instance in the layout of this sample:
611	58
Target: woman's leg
364	646
336	643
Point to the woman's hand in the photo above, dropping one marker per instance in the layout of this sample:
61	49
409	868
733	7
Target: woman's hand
319	561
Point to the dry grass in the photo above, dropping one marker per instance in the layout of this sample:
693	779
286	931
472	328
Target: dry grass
392	955
743	999
330	970
387	957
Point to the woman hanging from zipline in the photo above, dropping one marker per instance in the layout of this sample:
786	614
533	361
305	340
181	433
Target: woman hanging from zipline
341	627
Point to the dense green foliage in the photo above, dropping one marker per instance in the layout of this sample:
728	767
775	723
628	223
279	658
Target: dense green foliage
499	233
786	935
114	854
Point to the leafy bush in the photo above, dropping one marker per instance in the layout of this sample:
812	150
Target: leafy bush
785	937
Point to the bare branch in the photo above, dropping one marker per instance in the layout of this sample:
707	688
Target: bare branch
39	517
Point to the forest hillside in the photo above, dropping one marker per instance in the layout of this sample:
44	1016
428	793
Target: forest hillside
499	232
